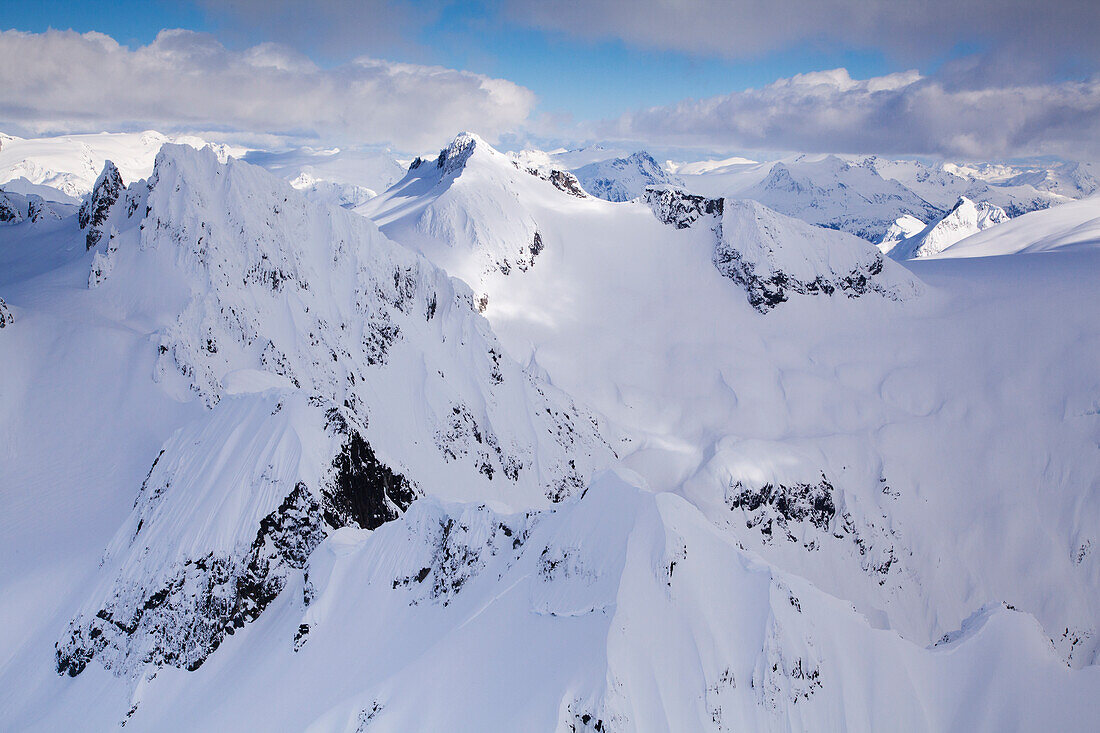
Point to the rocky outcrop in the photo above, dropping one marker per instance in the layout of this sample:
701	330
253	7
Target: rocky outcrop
567	182
453	158
95	209
363	491
6	317
562	180
679	208
10	210
203	600
774	257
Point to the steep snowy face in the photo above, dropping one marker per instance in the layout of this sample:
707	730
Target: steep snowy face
965	219
623	179
832	193
344	376
472	210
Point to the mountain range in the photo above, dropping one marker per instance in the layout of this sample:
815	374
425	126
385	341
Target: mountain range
545	442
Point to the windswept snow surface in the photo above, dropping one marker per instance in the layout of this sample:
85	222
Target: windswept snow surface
275	471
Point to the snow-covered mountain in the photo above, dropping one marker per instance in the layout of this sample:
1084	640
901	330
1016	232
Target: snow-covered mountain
470	209
963	220
623	179
1015	189
342	376
676	463
902	228
666	277
836	194
704	167
858	194
71	163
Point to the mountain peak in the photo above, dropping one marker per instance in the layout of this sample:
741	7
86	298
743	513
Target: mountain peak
623	179
453	158
964	219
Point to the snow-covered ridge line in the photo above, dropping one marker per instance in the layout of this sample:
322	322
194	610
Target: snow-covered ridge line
344	376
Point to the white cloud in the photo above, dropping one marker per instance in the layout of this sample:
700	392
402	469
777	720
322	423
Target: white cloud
901	113
61	81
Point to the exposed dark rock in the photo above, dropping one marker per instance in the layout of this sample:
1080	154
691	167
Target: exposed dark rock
9	212
562	180
801	502
364	492
6	317
679	208
567	182
187	618
461	549
454	156
94	211
767	291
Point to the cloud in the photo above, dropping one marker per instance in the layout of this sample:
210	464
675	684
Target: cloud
61	81
902	113
911	31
